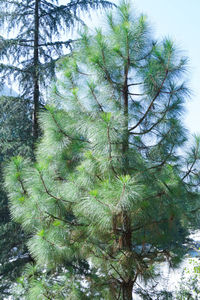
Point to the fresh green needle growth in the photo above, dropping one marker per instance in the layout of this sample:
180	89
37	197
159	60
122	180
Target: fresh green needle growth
110	185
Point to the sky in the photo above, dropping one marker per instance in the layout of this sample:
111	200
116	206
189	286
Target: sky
180	21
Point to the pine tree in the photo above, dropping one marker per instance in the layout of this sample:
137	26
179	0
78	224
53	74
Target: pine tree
40	29
111	185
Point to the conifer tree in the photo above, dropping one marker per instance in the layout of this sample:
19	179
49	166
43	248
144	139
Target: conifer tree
40	29
111	185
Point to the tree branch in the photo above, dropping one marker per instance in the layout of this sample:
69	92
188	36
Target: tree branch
151	104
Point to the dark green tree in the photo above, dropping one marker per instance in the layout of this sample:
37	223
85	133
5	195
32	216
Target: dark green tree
111	185
15	132
41	35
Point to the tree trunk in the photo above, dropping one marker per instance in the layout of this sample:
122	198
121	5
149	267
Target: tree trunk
36	71
127	234
125	218
126	133
126	287
127	290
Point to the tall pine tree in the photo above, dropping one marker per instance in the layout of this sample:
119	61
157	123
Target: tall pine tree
111	185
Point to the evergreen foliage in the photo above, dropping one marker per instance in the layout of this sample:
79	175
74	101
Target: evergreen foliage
58	283
110	185
40	29
15	132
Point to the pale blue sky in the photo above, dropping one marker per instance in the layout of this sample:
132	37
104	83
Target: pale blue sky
180	20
